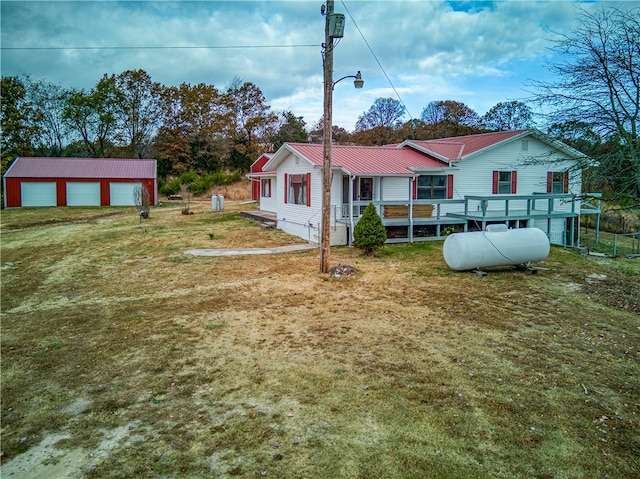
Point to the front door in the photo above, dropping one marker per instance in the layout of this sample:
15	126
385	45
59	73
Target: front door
365	189
362	191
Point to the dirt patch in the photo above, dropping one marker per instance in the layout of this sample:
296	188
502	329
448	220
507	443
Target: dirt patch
615	290
49	459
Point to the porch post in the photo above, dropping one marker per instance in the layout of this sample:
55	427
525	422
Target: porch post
411	180
351	180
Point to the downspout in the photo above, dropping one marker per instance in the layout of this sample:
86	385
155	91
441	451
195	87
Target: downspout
351	180
411	182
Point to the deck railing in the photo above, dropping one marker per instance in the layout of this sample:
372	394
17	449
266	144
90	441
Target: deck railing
537	204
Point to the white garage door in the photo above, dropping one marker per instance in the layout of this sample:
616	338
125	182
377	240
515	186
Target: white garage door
122	193
83	194
38	194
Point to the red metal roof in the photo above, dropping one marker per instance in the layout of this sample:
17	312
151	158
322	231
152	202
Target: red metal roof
458	147
44	167
373	160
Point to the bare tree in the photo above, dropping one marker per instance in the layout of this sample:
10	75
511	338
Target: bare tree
598	83
142	200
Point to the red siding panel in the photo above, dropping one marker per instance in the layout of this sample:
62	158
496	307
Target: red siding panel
12	193
61	192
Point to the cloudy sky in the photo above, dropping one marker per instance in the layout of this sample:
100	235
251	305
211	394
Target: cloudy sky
479	52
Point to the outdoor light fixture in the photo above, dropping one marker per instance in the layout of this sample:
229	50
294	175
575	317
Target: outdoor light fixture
358	82
334	30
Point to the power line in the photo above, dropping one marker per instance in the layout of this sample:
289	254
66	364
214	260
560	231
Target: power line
376	58
160	47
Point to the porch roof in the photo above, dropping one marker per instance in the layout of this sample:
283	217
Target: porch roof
369	160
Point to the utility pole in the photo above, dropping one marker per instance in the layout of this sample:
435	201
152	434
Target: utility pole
325	241
333	28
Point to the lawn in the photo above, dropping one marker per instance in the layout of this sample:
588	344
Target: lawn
123	357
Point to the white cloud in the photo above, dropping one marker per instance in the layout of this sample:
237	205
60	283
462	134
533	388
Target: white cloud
476	52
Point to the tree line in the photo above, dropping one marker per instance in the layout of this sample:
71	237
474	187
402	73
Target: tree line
198	127
593	105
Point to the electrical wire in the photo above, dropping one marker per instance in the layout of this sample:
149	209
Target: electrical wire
166	47
377	60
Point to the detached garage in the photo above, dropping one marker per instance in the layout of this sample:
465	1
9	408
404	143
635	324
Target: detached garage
39	181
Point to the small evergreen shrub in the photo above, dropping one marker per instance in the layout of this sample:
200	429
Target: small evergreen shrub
369	234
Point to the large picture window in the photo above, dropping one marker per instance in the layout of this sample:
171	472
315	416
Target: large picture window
432	187
298	192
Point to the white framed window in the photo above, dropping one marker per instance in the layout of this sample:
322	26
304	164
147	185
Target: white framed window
431	187
265	187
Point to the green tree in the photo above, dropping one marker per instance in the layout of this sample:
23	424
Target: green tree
290	128
447	118
369	234
93	117
251	118
509	115
16	122
195	128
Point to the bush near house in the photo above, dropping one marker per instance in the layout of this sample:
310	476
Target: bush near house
369	234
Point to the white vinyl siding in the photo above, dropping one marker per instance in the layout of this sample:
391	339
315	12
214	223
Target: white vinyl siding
475	174
38	193
396	188
300	220
121	194
83	194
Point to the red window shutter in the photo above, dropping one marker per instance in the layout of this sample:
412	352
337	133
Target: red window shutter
566	182
286	188
494	188
514	182
414	188
449	187
308	189
549	181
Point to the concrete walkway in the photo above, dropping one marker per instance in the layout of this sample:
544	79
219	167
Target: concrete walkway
247	251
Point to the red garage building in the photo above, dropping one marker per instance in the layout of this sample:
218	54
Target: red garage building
38	181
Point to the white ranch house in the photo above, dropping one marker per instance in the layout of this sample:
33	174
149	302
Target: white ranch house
426	189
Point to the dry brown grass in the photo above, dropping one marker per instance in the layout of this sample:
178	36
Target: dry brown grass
166	365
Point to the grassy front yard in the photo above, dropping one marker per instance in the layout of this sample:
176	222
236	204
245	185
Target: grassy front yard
122	357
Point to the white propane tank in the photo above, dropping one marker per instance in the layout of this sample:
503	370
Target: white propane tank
495	247
221	202
214	203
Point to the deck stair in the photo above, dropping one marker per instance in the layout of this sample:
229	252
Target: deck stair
267	219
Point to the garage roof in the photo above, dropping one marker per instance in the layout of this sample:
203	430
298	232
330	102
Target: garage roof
49	167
